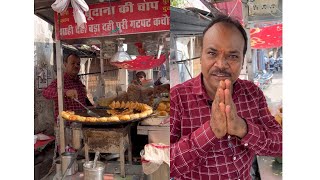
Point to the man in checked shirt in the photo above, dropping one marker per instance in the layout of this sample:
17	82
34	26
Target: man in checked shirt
73	88
218	123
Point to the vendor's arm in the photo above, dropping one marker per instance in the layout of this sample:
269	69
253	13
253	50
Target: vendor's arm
51	92
188	151
264	139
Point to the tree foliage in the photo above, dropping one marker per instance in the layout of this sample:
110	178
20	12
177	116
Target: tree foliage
177	3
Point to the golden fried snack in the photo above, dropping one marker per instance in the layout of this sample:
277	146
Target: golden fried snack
168	109
103	119
163	113
278	118
71	112
113	119
91	119
143	114
132	105
73	117
134	116
124	117
118	105
148	112
127	105
146	107
65	114
123	104
161	107
168	104
112	105
81	118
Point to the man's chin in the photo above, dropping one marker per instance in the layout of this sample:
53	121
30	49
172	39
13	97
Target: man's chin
216	79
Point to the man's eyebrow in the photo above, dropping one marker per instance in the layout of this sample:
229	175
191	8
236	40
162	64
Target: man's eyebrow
234	52
212	49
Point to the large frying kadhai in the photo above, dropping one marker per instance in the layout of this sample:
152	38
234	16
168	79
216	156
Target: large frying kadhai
103	113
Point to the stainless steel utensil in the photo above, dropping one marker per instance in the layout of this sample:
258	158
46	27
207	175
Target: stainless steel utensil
95	159
91	113
73	158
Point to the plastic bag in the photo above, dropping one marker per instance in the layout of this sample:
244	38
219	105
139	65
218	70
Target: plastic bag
154	155
60	5
79	6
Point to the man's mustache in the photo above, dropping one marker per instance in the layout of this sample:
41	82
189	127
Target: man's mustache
220	72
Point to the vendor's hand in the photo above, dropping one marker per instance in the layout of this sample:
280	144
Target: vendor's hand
72	93
218	121
235	125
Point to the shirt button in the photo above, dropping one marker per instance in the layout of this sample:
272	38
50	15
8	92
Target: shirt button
229	137
246	144
234	158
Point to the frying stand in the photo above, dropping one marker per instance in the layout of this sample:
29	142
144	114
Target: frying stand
109	140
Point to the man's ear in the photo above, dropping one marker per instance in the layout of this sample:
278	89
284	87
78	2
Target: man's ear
64	66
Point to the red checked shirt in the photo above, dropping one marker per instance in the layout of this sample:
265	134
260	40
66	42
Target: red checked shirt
51	92
195	152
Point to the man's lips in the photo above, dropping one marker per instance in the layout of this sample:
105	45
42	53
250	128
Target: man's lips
222	75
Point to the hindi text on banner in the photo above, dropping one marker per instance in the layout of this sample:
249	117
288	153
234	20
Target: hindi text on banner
148	5
165	20
99	12
127	7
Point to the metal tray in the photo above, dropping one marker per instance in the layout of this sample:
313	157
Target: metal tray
101	112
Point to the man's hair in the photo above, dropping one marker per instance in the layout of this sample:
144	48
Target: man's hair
66	56
236	23
141	73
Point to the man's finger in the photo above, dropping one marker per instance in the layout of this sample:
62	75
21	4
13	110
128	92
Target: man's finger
228	113
222	85
222	107
227	97
216	99
221	95
227	84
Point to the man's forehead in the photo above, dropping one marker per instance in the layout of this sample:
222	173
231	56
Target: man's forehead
233	50
73	58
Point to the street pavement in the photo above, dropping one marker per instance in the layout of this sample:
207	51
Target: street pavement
273	93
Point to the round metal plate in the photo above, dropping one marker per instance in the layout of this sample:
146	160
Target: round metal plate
102	113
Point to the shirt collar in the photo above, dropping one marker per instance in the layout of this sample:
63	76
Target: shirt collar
66	76
238	89
198	87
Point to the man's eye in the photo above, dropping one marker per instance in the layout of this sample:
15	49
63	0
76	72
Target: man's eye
212	53
235	57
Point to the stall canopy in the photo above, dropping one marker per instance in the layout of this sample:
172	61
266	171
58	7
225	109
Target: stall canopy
141	63
266	37
232	8
188	22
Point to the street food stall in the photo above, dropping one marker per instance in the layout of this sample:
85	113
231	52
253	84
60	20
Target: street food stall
140	30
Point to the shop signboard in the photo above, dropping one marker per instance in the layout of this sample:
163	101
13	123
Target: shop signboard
114	18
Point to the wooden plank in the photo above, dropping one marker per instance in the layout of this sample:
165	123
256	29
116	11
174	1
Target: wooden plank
60	94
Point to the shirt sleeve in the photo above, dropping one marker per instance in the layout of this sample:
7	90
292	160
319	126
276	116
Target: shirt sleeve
264	138
186	152
51	91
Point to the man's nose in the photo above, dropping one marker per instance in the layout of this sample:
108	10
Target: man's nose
221	61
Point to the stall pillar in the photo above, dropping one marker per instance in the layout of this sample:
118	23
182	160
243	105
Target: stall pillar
248	67
60	94
123	79
149	73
